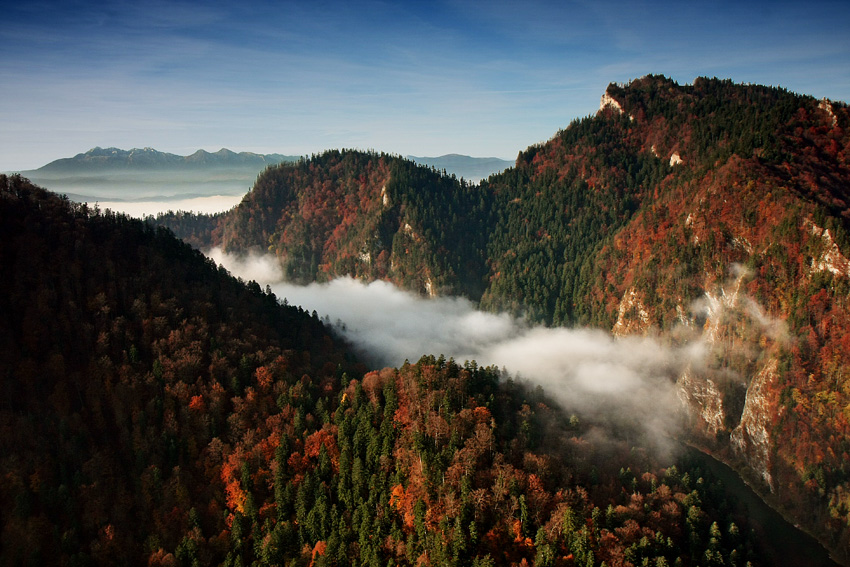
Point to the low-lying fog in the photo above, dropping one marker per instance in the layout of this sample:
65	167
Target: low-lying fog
140	209
140	194
631	379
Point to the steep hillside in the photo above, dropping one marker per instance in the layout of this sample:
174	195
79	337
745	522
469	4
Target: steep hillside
129	366
158	412
747	240
368	215
717	209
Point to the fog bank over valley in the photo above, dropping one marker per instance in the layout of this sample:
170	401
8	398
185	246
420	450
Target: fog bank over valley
629	380
141	209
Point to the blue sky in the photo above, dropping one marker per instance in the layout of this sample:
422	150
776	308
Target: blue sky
422	78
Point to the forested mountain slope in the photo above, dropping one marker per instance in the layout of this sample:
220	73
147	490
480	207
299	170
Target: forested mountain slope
130	365
156	411
369	215
717	208
746	241
720	209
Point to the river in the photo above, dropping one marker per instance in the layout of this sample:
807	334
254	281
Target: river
790	546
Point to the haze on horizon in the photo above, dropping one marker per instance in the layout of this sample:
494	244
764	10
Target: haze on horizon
467	77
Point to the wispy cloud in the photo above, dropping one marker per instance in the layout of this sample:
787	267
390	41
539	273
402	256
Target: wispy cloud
142	209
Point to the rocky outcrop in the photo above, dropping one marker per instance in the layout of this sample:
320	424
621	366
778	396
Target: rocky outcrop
429	288
716	306
609	101
703	401
828	257
632	316
752	438
826	106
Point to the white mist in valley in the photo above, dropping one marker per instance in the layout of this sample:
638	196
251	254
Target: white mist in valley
142	208
261	268
628	380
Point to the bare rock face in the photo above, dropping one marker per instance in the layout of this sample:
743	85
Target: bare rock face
608	100
632	317
703	400
830	259
706	400
752	439
738	396
826	105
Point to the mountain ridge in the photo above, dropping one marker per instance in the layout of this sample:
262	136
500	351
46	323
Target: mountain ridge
100	159
147	158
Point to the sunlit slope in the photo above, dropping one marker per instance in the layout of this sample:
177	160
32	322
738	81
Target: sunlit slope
368	215
715	208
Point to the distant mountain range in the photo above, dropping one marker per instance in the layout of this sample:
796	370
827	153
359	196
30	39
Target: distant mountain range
145	159
470	168
101	160
146	174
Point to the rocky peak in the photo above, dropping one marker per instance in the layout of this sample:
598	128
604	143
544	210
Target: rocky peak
608	100
830	259
826	105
